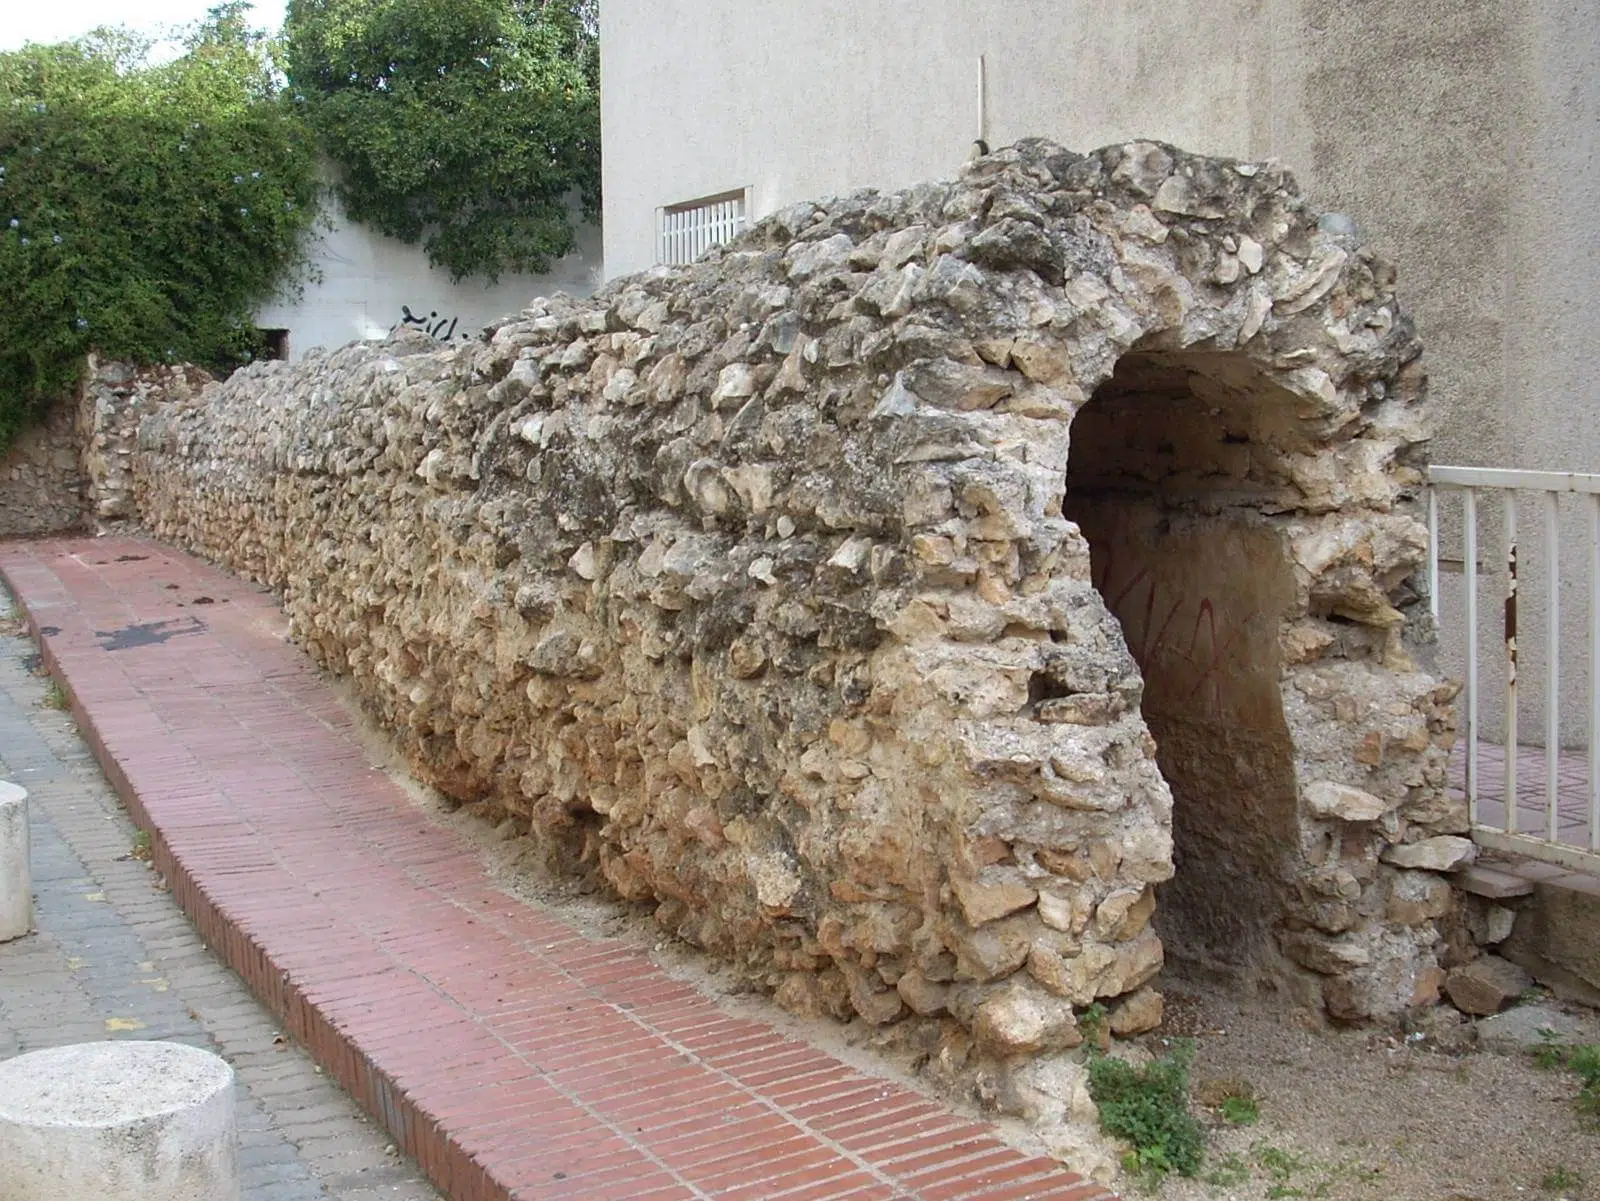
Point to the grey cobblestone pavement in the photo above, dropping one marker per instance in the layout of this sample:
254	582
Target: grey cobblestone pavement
114	956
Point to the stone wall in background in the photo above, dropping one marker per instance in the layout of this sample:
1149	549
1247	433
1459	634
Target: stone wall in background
75	469
747	589
43	488
114	399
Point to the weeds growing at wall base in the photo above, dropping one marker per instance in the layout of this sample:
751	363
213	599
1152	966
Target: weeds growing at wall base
1149	1107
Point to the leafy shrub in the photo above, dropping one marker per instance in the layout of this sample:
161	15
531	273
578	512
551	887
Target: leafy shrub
467	125
145	210
1149	1107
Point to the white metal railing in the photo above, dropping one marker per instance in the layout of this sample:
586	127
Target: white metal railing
1571	795
686	231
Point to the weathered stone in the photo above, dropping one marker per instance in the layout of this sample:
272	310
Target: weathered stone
750	587
1055	1089
1445	1029
1528	1027
1430	981
1124	914
1067	913
922	995
1442	854
1020	1018
983	902
1136	1014
1330	956
876	1004
993	952
1486	985
1417	897
817	257
1489	924
1097	970
1484	881
1328	799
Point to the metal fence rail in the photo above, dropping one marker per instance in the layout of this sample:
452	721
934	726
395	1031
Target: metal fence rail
688	230
1570	817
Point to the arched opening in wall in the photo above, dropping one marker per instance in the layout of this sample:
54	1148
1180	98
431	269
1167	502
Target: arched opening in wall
1175	470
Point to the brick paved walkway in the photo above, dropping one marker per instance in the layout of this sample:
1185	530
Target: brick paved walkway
510	1054
114	957
1533	795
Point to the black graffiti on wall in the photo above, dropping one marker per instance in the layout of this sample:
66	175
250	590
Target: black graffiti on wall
433	325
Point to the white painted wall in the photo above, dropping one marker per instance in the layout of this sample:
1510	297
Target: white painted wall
363	281
800	101
1461	136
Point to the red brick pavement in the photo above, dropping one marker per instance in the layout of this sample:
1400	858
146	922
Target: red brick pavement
509	1054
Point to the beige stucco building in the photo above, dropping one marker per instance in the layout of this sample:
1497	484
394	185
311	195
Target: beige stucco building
1459	135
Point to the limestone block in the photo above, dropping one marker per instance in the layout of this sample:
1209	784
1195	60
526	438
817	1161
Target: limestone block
1329	956
985	901
1486	985
1328	799
1023	1018
1490	924
138	1121
1444	853
1417	897
1124	914
1529	1027
1137	1013
16	881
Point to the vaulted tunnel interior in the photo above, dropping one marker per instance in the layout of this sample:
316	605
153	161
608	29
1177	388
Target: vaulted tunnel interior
1176	465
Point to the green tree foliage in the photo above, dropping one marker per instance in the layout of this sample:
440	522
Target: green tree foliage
145	210
467	125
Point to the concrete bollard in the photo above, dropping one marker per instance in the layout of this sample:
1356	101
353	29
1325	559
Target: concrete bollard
16	883
134	1121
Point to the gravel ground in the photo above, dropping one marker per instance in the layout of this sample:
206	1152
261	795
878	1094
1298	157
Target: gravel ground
1372	1116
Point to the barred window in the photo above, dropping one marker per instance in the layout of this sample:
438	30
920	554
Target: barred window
688	230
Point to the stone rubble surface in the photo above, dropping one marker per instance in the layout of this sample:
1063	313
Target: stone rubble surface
745	587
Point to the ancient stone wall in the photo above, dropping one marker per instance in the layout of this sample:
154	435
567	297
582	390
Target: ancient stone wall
43	488
114	399
746	587
75	468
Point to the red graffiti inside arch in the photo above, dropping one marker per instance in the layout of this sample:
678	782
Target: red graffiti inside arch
1175	635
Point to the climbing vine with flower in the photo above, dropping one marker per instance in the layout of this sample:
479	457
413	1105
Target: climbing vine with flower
146	209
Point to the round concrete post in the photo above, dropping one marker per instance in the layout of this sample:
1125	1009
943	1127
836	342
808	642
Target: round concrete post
16	884
137	1121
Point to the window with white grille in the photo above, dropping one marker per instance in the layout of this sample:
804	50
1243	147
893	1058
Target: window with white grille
690	229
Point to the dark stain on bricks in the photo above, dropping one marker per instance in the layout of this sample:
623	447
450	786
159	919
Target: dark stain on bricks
150	633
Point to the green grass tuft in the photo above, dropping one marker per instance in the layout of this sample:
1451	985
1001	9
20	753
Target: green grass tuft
1149	1107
